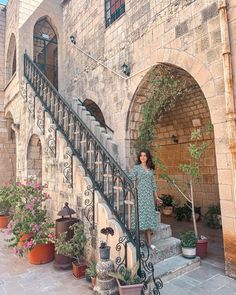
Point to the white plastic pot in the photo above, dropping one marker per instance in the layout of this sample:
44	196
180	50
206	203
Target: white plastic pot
189	252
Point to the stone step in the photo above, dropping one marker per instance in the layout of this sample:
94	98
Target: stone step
175	266
164	249
163	232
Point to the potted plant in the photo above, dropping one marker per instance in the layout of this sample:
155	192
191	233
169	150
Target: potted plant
192	173
91	272
167	204
188	243
104	248
212	218
4	207
74	248
128	281
30	231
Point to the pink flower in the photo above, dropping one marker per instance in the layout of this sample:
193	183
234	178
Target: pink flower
29	206
35	227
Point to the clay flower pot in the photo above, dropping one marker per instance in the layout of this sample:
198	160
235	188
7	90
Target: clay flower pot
93	281
4	220
41	254
79	269
129	289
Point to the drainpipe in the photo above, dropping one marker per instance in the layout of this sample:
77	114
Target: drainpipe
228	83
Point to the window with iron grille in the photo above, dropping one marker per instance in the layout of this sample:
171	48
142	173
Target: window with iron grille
113	10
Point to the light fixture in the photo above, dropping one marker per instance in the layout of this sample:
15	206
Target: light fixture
126	69
175	139
73	38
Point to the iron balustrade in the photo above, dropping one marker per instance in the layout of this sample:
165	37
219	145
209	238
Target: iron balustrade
107	176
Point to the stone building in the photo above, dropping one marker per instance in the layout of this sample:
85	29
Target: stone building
80	47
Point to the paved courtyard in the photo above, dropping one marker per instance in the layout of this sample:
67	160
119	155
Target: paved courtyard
18	277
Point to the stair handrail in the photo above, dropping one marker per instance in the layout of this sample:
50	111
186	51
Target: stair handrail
134	239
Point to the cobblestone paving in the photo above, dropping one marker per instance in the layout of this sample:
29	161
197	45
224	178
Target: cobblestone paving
18	277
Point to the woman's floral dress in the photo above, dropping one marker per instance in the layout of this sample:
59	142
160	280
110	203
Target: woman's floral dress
146	186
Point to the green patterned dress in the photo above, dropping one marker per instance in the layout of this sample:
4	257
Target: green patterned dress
146	186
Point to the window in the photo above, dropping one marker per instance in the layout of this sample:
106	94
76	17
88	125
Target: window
113	10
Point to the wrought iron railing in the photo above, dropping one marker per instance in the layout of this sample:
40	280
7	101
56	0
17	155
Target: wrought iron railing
105	173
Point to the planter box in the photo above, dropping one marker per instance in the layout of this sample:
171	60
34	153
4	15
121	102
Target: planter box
79	269
189	252
130	289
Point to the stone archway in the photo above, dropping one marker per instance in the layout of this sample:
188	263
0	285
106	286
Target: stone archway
46	49
34	159
172	135
11	58
95	111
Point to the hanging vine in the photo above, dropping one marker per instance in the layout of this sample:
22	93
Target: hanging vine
166	89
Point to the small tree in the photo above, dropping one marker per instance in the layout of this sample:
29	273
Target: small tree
192	170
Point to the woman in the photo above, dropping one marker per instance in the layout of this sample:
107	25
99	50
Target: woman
147	192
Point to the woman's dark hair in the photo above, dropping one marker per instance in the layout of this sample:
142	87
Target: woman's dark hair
150	163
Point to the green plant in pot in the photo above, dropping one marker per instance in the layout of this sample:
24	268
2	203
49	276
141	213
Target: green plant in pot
91	272
188	243
74	248
167	204
212	218
104	248
128	280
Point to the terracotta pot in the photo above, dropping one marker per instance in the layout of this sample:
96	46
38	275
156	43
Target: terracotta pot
41	254
167	210
93	281
79	269
202	248
24	238
130	289
4	220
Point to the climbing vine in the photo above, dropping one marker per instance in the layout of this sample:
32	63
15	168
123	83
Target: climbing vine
166	89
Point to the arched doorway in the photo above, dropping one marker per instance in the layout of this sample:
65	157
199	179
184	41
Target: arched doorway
171	139
46	50
11	58
34	159
95	111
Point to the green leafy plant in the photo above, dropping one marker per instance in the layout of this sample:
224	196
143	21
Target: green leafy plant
75	247
188	239
167	200
211	218
127	276
185	212
9	197
91	270
166	88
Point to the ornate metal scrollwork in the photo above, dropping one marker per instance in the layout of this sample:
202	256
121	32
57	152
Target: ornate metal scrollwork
41	119
52	140
68	167
121	262
147	272
89	211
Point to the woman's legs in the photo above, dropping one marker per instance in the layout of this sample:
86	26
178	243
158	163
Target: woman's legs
149	237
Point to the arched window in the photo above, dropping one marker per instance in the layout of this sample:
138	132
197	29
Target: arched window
45	50
11	58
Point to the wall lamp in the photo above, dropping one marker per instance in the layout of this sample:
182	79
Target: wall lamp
126	69
175	139
73	39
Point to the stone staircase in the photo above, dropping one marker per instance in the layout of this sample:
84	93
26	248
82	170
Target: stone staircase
104	135
167	258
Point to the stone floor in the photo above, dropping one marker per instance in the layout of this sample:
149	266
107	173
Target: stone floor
18	277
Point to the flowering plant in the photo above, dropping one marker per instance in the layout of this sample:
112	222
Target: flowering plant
106	231
75	247
29	218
